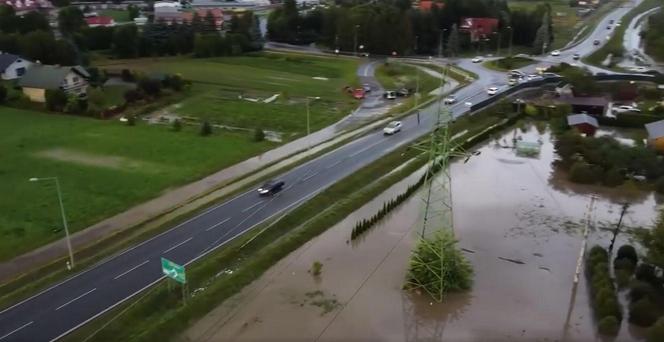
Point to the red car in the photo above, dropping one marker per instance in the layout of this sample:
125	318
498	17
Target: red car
358	93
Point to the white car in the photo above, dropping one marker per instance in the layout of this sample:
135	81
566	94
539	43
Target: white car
555	53
477	59
450	100
392	127
534	77
390	95
638	69
625	109
492	91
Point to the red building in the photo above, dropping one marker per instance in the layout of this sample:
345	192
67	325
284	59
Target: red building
426	5
100	21
479	28
584	123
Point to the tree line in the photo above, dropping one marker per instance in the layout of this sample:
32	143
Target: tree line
391	26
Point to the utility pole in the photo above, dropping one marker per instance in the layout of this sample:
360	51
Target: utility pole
625	205
417	92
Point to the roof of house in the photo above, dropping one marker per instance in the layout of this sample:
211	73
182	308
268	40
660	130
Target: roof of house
100	21
655	129
48	76
6	59
578	119
426	5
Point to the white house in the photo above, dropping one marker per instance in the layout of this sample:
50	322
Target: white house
12	66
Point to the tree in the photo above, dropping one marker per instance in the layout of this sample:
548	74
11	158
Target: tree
150	87
56	100
97	38
542	37
70	20
3	94
60	3
32	21
39	46
8	19
655	243
134	12
125	41
453	41
259	135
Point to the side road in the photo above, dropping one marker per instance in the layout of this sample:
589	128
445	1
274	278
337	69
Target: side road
191	196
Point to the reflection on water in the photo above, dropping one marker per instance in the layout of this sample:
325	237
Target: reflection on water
517	221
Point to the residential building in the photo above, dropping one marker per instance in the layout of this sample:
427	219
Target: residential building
217	13
40	78
584	123
656	135
12	66
479	28
97	21
595	106
426	5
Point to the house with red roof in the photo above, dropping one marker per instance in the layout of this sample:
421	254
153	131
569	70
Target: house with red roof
426	5
97	21
479	28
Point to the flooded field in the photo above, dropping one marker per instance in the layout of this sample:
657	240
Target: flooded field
517	220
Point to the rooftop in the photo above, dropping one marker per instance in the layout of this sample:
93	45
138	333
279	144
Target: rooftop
577	119
655	129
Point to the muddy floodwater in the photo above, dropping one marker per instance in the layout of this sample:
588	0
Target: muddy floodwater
519	223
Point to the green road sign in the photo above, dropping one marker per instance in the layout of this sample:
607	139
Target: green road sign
173	270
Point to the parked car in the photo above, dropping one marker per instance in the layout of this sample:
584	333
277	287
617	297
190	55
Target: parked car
404	92
534	77
392	128
512	82
608	27
549	74
576	56
390	95
492	91
555	53
450	100
477	59
271	187
596	42
611	21
626	109
516	74
358	93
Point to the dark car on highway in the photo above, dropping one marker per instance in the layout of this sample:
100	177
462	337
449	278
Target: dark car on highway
271	187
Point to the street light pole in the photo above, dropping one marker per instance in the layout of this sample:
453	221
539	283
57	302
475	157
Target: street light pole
308	113
511	36
62	212
355	40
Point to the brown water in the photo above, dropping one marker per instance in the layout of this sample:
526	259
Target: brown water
520	226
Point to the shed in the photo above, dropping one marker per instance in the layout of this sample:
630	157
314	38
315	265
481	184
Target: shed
584	123
656	135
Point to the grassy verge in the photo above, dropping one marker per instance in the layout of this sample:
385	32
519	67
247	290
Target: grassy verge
160	314
120	16
399	75
39	279
614	45
508	63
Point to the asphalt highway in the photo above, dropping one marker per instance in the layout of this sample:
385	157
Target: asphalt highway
66	306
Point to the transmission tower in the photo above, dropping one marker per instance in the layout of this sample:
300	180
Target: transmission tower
439	149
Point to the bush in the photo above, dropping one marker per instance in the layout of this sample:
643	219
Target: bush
56	100
659	185
3	93
582	172
627	252
127	75
150	87
206	128
643	312
316	268
132	95
131	120
646	272
607	305
613	177
656	332
259	135
624	264
177	125
609	325
622	277
639	290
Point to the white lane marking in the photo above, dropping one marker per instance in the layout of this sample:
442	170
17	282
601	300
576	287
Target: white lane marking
75	299
335	164
310	176
178	245
15	330
131	269
366	148
252	206
217	225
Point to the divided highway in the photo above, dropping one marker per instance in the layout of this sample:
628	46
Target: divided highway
64	307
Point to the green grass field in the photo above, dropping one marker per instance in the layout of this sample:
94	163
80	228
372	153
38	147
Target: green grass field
104	168
218	84
119	16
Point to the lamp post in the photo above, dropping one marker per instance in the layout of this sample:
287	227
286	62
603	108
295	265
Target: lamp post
355	40
511	36
499	41
441	45
309	98
62	212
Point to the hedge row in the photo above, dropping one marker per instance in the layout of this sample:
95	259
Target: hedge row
604	297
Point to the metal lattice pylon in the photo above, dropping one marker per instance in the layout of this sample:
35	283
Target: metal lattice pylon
438	214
